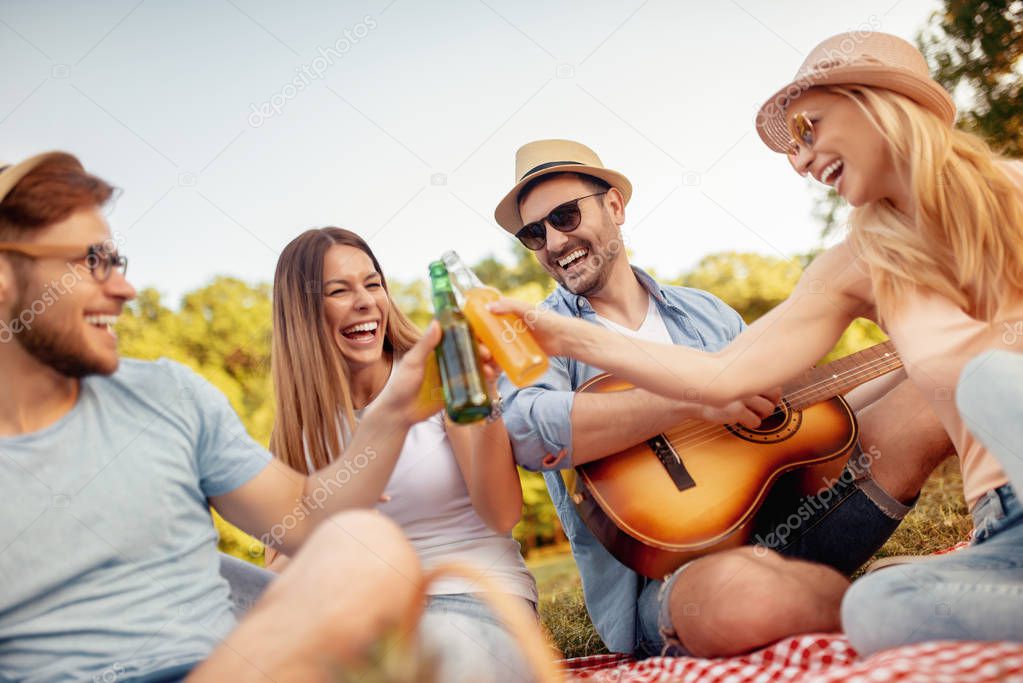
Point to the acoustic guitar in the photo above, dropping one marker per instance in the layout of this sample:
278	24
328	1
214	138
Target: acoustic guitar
698	487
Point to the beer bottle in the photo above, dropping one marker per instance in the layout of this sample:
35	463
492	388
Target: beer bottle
461	373
506	335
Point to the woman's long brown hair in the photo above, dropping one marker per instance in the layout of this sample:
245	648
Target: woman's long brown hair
312	393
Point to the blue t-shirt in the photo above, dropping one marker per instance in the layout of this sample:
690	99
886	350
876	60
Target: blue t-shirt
108	557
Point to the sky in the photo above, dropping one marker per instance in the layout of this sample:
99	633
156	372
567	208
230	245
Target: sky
233	125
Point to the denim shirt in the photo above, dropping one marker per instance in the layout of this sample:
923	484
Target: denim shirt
538	419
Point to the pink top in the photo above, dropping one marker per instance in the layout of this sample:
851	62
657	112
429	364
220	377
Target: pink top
936	339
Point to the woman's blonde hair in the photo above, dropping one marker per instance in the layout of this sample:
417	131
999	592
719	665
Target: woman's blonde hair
965	240
311	378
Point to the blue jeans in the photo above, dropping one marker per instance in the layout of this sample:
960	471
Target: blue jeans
975	593
471	643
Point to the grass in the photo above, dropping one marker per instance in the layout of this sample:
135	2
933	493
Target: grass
938	520
562	609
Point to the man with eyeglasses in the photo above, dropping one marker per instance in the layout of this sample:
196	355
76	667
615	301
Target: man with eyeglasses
569	209
107	550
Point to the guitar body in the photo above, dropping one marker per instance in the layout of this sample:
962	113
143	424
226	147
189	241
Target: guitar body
697	489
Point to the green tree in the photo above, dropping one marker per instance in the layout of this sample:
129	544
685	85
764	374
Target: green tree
524	271
539	525
975	49
753	284
413	298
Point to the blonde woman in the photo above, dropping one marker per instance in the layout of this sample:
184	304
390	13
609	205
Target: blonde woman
337	336
934	255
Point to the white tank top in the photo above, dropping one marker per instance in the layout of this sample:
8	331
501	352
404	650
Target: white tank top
430	501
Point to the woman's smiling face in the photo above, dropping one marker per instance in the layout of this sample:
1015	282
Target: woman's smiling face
847	152
356	305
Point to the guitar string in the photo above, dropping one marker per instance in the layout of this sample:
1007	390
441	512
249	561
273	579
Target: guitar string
870	366
681	440
865	369
856	372
719	431
891	359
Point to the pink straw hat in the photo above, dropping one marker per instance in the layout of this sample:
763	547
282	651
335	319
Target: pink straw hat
874	59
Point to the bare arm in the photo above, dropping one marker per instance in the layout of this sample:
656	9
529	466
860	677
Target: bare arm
608	423
868	393
777	347
484	456
276	561
281	506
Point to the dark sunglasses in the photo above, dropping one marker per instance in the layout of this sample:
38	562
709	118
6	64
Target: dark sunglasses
100	261
563	218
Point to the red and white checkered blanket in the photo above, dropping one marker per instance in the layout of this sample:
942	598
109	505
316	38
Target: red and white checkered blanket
816	658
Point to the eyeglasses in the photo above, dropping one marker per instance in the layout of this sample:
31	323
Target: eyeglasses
801	128
100	260
563	218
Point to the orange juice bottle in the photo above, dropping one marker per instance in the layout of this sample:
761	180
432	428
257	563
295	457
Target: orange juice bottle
506	335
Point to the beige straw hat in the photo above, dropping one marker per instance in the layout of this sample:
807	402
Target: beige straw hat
867	58
11	174
543	157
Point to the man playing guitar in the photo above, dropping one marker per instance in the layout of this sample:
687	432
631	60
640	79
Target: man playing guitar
563	185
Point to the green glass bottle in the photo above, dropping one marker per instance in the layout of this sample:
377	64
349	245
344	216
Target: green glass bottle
461	373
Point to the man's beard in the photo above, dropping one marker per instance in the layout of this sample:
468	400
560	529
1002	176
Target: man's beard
52	346
589	280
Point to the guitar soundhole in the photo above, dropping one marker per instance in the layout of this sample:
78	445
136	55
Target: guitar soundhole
773	422
780	425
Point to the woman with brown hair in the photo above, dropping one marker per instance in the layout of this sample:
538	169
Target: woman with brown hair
935	256
337	335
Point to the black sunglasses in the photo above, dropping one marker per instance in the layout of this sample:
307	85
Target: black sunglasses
563	218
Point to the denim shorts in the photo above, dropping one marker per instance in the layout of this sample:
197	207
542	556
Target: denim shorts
842	527
470	642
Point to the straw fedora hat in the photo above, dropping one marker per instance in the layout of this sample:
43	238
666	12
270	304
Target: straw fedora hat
874	59
11	174
543	157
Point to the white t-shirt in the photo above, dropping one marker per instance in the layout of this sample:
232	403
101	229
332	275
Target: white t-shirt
653	327
430	501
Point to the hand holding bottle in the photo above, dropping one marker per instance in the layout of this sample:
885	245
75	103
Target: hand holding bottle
554	333
403	397
508	339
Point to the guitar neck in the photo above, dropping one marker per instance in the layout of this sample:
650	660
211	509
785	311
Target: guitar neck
827	381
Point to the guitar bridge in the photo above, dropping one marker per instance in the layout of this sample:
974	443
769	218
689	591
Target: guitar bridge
672	462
